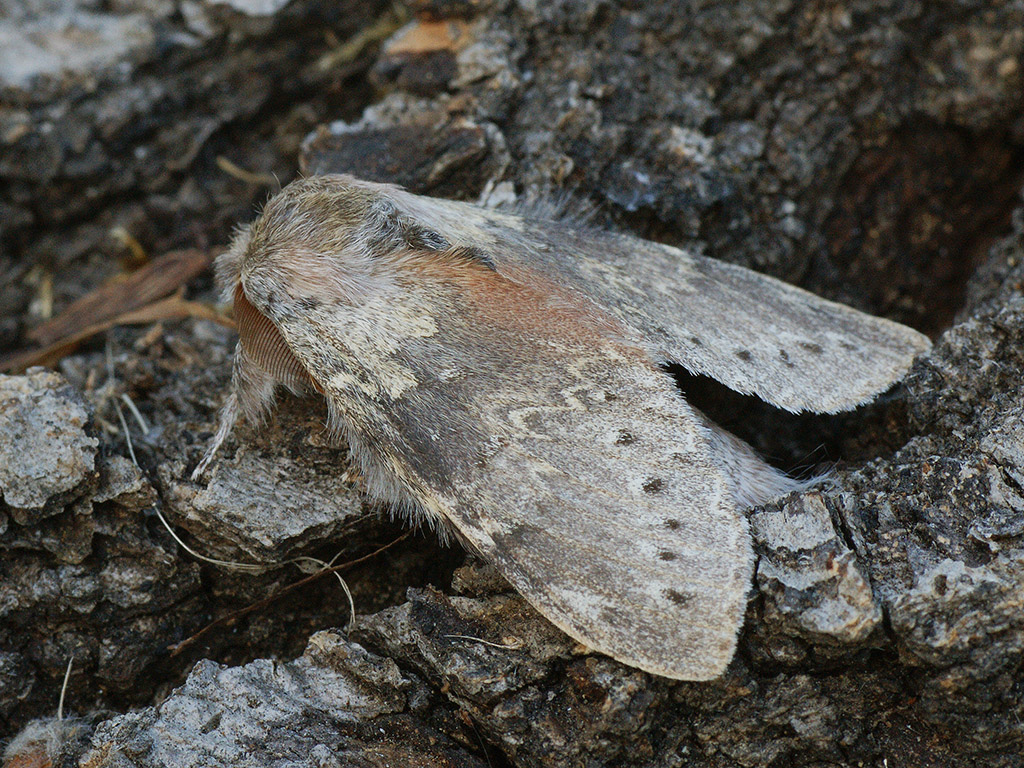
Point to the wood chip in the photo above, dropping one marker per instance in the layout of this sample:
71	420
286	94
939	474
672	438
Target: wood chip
124	293
171	308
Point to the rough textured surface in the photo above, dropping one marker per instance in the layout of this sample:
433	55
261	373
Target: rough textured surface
115	118
100	580
871	151
336	705
263	504
812	585
46	457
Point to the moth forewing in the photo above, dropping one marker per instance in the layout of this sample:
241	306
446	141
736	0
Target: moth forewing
753	333
497	375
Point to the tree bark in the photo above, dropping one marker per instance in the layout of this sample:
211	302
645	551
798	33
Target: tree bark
872	152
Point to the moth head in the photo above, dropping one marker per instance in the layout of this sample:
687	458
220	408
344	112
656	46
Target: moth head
304	247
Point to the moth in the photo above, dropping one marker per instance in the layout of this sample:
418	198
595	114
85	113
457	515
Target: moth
498	376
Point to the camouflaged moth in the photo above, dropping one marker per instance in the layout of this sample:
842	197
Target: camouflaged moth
498	376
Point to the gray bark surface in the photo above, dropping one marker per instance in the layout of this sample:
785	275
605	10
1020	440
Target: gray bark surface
870	151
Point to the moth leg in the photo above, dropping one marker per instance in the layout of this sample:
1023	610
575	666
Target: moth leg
252	396
226	422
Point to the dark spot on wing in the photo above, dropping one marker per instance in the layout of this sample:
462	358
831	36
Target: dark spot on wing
522	535
654	485
784	355
810	346
677	597
695	340
614	616
848	346
308	303
625	438
666	556
610	396
744	355
673	525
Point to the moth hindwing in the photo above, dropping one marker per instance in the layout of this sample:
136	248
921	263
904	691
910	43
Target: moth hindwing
498	375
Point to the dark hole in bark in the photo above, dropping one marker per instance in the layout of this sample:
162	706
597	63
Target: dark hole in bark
915	217
800	444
